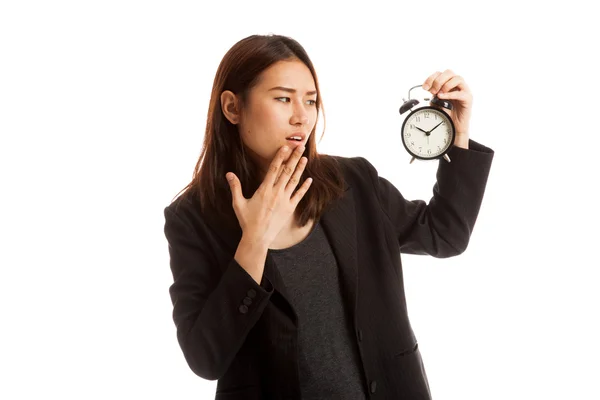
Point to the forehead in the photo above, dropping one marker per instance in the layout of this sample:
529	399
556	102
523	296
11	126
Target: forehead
290	74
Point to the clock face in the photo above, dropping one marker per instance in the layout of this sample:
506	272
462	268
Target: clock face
427	133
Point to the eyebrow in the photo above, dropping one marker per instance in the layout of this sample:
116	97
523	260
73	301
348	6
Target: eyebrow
291	90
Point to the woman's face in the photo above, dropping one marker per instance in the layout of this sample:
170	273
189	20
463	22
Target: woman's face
281	105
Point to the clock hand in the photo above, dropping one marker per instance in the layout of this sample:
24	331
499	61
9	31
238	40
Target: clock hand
425	132
436	126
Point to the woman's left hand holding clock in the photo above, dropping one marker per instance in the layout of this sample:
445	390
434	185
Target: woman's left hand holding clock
453	88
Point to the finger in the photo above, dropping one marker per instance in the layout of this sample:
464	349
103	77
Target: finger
301	192
274	169
288	168
440	80
235	187
429	81
455	82
456	95
295	179
280	171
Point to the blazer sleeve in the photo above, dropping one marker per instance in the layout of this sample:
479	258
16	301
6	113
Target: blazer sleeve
210	310
441	228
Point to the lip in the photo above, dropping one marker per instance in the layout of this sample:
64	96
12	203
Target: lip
302	137
293	142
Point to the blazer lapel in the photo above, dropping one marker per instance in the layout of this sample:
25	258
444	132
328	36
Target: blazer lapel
339	224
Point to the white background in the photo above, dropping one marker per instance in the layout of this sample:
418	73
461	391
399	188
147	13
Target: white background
102	112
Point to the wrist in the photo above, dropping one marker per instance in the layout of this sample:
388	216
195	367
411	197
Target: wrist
462	140
251	243
251	256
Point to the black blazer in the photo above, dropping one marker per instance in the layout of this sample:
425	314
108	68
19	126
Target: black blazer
244	334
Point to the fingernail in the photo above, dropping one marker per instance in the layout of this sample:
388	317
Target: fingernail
426	86
285	149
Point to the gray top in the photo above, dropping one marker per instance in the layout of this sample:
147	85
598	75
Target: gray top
328	352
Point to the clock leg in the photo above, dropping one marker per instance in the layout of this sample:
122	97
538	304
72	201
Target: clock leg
412	159
446	157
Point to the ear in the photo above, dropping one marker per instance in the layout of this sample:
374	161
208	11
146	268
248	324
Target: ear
230	106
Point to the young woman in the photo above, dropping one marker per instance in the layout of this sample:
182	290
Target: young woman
286	262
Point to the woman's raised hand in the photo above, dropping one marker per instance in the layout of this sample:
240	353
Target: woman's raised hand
270	208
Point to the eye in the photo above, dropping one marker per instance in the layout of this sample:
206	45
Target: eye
314	102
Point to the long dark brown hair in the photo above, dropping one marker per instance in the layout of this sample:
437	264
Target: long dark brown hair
223	150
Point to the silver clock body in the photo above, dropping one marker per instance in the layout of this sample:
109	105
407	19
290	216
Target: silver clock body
428	133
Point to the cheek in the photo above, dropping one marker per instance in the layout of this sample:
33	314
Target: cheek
313	116
276	116
267	116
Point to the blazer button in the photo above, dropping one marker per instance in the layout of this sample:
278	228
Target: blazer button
243	309
252	293
247	301
373	386
359	335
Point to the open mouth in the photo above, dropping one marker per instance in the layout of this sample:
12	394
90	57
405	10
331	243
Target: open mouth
295	139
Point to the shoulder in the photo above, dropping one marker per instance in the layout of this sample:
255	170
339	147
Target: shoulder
185	204
357	170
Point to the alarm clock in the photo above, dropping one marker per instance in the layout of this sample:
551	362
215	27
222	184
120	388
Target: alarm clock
428	131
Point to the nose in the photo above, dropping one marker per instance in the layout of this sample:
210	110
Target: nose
300	116
302	119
